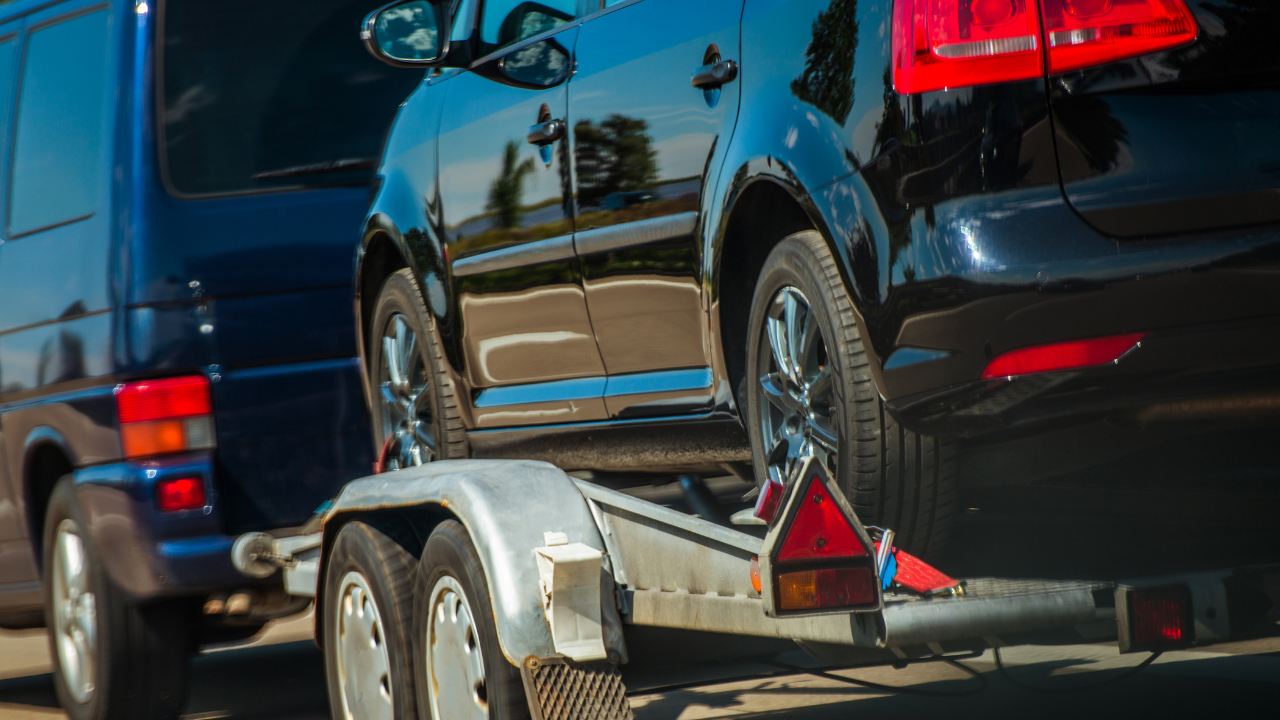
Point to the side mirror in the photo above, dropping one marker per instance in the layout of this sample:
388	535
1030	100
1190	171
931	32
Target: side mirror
408	33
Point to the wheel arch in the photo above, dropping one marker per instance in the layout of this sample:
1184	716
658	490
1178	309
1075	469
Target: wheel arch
494	500
381	253
46	458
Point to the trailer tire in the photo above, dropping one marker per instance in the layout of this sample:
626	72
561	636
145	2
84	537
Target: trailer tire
112	658
368	604
893	477
452	587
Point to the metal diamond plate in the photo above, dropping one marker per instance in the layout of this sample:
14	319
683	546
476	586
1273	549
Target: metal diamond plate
590	691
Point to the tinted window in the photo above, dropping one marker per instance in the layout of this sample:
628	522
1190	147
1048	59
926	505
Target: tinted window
58	145
509	21
263	95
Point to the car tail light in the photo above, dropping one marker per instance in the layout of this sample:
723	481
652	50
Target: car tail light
939	44
1161	618
826	588
180	494
165	416
1082	33
1062	356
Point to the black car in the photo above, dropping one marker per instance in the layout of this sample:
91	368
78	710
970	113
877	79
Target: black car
865	230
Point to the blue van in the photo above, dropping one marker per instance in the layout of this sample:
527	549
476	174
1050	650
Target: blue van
183	182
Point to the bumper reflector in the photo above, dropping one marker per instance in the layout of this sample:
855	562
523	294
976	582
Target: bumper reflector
1062	356
180	494
826	588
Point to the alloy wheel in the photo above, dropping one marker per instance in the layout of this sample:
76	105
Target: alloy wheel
409	432
455	664
75	622
799	413
364	665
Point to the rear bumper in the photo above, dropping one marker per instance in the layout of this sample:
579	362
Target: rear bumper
147	553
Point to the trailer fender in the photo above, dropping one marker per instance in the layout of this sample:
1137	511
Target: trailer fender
506	507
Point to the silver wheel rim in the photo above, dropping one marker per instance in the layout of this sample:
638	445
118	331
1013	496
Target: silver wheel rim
408	430
455	665
75	613
364	666
799	412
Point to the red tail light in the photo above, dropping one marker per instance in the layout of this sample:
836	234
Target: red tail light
1082	33
1161	617
940	44
819	530
165	416
180	494
1062	356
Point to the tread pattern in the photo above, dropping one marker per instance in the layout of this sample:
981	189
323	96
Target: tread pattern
448	413
893	477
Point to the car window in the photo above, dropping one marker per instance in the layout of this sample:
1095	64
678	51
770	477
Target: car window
507	22
58	139
290	99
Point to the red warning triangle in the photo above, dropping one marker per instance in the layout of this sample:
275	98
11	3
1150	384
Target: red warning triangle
819	531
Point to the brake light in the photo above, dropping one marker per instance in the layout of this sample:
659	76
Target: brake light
942	44
1062	356
819	530
1083	33
939	44
165	416
180	494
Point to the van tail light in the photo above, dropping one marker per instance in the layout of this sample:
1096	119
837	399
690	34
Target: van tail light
939	44
822	561
165	416
177	494
1062	356
942	44
1083	33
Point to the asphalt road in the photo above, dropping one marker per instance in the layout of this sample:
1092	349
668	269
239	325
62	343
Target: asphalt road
1088	522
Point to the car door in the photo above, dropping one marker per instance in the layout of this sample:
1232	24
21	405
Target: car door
506	202
646	143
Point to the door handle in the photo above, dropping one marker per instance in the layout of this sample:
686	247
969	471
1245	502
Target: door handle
713	75
545	133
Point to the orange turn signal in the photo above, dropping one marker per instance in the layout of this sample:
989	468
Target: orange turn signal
827	588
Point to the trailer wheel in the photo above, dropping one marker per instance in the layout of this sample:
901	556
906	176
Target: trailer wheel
464	673
111	658
810	391
368	605
415	416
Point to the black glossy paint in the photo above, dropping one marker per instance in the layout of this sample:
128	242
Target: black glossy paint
961	220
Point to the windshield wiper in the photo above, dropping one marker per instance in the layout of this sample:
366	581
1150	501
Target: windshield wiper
328	166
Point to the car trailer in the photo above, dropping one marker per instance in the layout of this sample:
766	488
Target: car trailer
533	579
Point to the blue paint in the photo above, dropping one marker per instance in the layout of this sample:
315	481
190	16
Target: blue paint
904	356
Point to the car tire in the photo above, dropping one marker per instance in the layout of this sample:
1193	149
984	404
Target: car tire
367	617
405	331
111	658
463	673
893	477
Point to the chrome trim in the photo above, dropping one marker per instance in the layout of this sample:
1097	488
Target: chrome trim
556	390
530	253
640	232
656	382
596	387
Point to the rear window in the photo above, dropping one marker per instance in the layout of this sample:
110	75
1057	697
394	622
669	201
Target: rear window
260	96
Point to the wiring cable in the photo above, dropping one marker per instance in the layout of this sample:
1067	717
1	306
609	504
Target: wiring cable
900	690
1072	688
